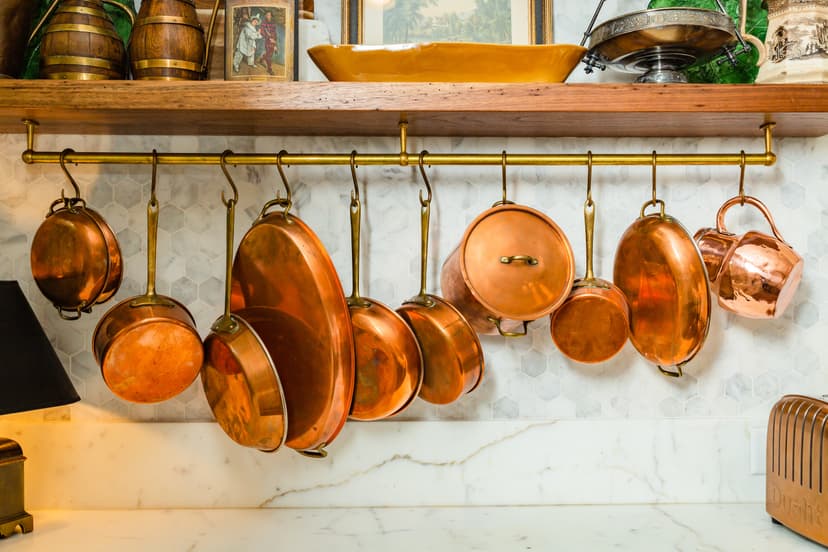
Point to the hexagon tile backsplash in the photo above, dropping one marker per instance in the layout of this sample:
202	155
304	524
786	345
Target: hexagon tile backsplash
743	368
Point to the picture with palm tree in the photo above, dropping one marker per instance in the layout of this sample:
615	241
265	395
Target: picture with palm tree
447	20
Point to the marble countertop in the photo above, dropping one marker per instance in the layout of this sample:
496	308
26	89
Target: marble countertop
701	527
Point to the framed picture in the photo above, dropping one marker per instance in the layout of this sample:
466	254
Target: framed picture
260	38
403	21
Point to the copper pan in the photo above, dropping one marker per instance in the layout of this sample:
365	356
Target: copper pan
238	376
592	325
389	365
452	356
75	258
291	295
662	274
147	346
513	265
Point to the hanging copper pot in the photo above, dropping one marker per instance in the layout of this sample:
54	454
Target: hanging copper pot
75	258
513	265
148	347
239	378
452	356
389	365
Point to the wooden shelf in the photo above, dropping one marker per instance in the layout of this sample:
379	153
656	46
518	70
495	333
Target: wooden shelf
432	109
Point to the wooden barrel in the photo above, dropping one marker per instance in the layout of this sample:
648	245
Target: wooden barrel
80	43
167	41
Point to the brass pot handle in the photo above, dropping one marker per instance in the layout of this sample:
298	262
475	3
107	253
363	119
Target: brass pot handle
528	259
497	322
677	374
318	453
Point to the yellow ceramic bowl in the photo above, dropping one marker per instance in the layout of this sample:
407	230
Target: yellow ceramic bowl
447	62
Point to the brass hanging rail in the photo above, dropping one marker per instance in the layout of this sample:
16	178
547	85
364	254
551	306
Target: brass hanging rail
403	157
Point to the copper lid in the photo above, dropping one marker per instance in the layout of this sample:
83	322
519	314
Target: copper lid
517	262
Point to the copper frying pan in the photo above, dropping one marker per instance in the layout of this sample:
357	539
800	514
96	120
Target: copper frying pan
147	346
452	356
291	295
75	257
389	365
239	379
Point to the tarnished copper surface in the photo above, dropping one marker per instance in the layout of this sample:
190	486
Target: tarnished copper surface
75	259
242	387
147	353
389	366
453	361
662	274
535	280
759	273
282	267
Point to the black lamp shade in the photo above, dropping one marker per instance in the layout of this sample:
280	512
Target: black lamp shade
31	375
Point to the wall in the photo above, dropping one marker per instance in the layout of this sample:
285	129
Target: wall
744	367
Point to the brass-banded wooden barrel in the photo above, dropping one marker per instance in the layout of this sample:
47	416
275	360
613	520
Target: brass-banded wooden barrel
167	41
81	43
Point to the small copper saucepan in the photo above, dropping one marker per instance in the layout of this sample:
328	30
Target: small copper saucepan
452	355
147	346
592	325
75	258
388	362
239	378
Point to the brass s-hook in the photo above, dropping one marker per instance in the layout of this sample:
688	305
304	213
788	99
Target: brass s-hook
223	163
655	165
288	202
355	192
654	201
74	184
427	201
742	164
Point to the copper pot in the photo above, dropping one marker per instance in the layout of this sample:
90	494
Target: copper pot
75	258
592	325
662	274
452	356
754	275
389	365
514	265
239	378
148	347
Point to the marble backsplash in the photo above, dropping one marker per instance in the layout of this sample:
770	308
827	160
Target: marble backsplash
744	367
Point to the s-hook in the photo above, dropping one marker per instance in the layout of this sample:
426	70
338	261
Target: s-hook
427	201
288	201
742	179
223	164
74	200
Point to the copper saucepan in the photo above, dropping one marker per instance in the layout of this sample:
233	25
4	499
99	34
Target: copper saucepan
75	258
147	346
662	274
452	356
238	376
285	286
592	325
513	265
389	365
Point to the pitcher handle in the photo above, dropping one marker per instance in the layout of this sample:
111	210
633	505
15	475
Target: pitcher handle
209	40
126	9
46	15
720	216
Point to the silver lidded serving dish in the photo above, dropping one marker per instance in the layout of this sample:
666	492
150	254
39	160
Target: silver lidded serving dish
660	43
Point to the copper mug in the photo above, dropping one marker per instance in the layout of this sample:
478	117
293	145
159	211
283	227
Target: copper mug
755	275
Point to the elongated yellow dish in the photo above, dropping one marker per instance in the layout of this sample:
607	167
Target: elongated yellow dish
447	62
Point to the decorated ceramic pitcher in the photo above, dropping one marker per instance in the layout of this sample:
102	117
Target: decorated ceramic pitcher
796	42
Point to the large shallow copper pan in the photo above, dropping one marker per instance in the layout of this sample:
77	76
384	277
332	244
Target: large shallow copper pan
592	325
287	284
148	347
75	258
452	356
662	274
389	365
238	376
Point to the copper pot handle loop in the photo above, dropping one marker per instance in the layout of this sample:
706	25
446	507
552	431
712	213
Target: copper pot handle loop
287	202
150	297
75	313
503	200
318	453
497	322
227	323
677	374
354	300
750	200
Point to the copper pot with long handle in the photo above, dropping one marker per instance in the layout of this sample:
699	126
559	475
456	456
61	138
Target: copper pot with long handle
389	365
452	356
513	265
148	347
592	325
239	378
75	257
754	275
285	285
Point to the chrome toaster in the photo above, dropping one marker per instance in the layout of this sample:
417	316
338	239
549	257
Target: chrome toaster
797	466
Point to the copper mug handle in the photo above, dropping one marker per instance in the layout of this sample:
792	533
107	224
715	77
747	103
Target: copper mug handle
720	216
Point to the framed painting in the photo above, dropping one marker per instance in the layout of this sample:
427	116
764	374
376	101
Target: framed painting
260	38
404	21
